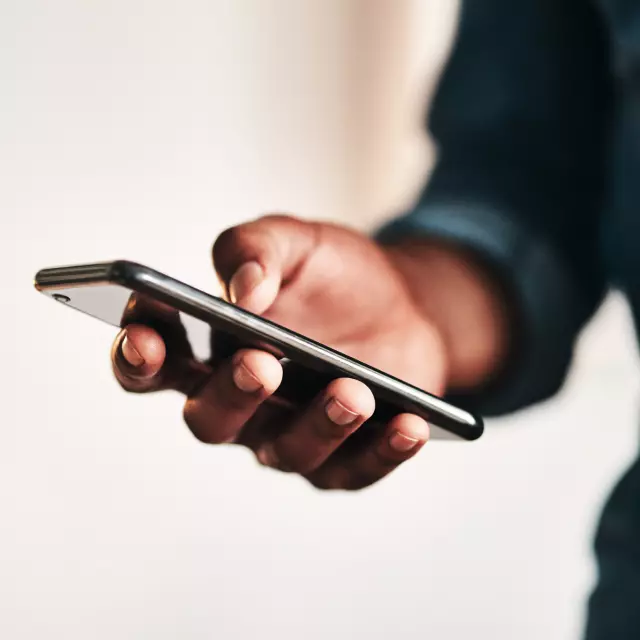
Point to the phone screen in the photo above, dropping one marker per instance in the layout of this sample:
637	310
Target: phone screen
119	306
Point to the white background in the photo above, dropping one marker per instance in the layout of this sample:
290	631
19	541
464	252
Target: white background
140	129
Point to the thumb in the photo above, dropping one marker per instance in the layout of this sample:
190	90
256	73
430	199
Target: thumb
254	260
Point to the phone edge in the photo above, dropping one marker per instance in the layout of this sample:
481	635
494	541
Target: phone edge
140	277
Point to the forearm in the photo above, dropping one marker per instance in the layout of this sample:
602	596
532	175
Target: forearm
464	300
521	122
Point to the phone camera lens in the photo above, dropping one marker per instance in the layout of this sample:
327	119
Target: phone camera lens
61	298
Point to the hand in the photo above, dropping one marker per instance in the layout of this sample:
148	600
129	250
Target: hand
337	287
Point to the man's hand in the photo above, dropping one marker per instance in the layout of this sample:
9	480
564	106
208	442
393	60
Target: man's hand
339	288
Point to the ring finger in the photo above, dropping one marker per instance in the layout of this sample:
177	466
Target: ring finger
313	436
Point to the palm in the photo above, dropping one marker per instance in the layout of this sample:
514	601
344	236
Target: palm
345	294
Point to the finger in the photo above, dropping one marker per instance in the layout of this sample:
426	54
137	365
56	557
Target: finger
403	437
321	429
144	310
137	356
266	424
228	400
255	259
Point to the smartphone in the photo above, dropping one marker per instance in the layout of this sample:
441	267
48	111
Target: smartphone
121	292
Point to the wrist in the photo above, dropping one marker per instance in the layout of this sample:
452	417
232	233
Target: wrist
464	302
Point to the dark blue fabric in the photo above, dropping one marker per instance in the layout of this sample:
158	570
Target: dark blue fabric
537	125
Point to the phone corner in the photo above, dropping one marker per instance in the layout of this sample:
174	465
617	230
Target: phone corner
125	271
477	431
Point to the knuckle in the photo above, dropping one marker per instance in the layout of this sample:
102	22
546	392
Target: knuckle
228	248
321	483
189	412
189	415
200	436
237	236
386	460
328	481
192	415
269	456
360	481
135	385
226	238
130	387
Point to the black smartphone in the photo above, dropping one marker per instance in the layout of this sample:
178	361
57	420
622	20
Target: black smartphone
121	292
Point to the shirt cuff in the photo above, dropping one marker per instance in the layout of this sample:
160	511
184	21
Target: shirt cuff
550	306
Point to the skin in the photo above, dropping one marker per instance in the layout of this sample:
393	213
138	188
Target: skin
425	312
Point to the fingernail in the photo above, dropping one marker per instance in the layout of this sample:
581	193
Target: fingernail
338	413
131	354
245	280
245	380
402	443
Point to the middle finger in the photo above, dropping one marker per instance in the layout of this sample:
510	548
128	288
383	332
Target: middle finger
220	408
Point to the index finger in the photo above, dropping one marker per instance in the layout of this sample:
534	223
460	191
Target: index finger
138	355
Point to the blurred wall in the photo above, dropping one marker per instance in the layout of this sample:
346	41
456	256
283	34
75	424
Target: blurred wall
140	129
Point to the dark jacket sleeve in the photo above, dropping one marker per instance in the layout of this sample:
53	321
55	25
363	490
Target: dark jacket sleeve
520	120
